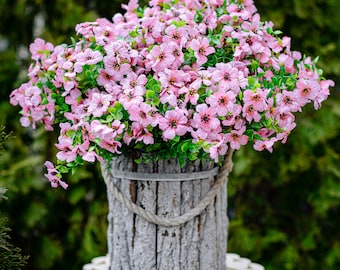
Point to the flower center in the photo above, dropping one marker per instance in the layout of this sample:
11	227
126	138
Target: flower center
142	115
256	97
173	123
222	101
201	50
205	118
287	100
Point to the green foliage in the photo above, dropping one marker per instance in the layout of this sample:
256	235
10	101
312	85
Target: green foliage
284	207
3	137
10	256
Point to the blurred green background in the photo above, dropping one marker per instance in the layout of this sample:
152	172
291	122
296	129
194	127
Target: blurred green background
284	207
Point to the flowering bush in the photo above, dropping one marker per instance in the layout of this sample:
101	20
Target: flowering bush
186	79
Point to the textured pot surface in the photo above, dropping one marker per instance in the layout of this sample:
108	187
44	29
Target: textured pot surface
134	243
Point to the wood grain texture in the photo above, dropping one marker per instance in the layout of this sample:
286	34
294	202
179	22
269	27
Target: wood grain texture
134	243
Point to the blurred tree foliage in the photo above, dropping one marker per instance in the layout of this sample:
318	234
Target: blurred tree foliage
10	256
284	207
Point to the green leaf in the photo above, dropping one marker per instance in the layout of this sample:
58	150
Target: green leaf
179	24
185	146
138	160
199	16
64	169
181	160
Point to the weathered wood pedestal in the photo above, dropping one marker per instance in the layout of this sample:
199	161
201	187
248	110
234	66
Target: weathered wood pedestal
166	217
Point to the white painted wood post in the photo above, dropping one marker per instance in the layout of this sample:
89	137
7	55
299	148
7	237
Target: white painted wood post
134	243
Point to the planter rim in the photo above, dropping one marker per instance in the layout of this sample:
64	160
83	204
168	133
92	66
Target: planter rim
168	177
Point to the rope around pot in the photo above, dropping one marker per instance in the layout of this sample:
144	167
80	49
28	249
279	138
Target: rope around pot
178	220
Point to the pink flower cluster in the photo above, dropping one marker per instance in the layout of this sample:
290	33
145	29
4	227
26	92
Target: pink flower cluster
207	75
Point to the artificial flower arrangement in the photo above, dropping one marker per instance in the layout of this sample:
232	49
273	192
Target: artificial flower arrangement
185	79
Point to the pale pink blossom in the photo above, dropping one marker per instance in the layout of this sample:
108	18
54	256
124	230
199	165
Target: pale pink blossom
160	58
176	35
306	90
236	138
250	113
287	101
115	68
256	98
222	101
173	123
265	144
228	77
98	104
191	91
141	113
67	151
141	134
323	93
53	176
218	149
88	57
40	49
205	118
202	49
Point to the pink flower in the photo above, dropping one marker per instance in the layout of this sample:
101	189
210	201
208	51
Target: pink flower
206	122
173	123
67	151
91	156
119	49
134	82
178	56
160	58
191	91
32	96
104	77
266	144
236	138
323	93
287	102
205	117
101	130
131	97
138	133
250	113
141	113
104	32
73	97
256	98
228	77
306	90
53	176
233	114
223	102
111	146
87	57
176	35
218	149
201	49
40	49
285	119
25	121
99	104
172	80
115	68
